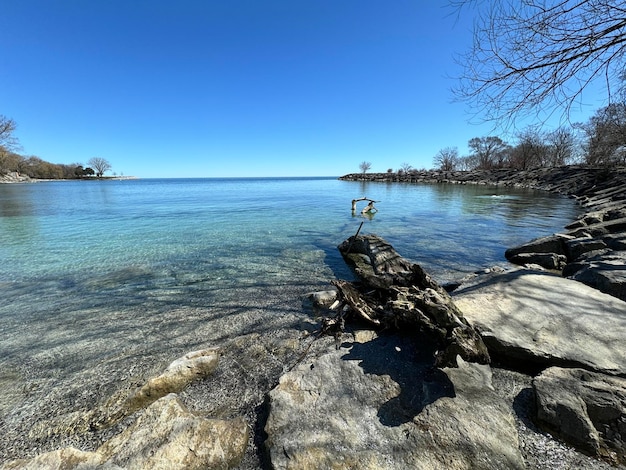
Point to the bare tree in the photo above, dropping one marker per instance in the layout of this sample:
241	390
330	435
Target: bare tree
530	151
538	56
100	165
365	166
7	127
606	136
447	158
488	152
561	146
406	167
8	143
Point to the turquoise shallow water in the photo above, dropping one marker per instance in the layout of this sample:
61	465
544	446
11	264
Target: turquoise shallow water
71	231
103	278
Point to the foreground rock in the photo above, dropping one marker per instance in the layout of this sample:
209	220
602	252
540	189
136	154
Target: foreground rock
380	403
165	437
168	436
165	434
534	318
584	408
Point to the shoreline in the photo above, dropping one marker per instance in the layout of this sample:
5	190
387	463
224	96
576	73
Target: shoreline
253	364
14	178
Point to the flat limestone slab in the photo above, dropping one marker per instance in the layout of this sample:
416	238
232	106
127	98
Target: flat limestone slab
548	320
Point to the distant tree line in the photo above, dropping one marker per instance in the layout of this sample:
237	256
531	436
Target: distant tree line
35	167
601	141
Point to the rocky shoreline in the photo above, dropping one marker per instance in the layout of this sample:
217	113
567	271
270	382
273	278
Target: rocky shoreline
591	249
290	397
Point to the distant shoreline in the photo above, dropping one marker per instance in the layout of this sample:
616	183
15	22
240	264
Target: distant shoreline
14	178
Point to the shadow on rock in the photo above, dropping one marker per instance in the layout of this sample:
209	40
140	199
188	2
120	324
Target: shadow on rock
408	361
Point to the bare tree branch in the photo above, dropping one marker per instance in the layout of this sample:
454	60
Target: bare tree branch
539	56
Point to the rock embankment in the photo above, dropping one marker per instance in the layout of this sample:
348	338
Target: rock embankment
570	180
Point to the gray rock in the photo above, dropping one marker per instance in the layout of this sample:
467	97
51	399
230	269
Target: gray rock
616	241
604	228
605	271
579	246
550	261
323	298
551	244
586	409
375	406
68	458
542	319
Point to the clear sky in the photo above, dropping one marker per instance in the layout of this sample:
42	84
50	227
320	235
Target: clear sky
218	88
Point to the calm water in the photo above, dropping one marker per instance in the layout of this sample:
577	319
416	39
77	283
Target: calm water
98	275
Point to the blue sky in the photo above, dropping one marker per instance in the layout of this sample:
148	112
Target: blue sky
208	88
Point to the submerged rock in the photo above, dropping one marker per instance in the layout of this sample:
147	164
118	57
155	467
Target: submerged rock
176	377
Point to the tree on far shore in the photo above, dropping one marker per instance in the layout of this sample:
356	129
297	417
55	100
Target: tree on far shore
7	140
447	159
364	166
100	165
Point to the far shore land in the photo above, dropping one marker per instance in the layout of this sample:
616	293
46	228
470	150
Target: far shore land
15	177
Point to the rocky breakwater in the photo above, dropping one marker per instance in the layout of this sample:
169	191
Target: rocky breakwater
409	383
592	249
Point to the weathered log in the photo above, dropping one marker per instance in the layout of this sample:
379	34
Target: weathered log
395	293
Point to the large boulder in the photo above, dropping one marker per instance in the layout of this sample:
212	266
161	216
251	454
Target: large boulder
548	252
535	318
550	244
550	261
586	409
579	246
382	404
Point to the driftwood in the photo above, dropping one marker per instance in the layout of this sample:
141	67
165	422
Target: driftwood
367	209
395	293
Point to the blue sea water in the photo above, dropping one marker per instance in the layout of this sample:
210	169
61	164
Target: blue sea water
97	274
